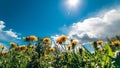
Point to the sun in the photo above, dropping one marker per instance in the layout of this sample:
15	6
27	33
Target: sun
72	4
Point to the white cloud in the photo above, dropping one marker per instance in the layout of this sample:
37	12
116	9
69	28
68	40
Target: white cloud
100	27
7	35
55	37
2	25
97	27
12	34
2	36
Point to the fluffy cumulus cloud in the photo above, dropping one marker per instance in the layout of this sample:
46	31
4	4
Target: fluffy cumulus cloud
100	27
7	35
12	34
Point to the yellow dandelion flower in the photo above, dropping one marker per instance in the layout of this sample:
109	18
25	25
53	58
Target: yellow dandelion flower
33	38
46	40
52	49
13	44
20	48
75	42
58	41
116	43
4	53
63	38
99	42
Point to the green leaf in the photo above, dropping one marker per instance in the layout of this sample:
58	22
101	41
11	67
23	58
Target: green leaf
7	65
21	65
87	52
109	50
103	64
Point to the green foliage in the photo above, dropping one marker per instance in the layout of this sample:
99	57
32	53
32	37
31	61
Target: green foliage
42	57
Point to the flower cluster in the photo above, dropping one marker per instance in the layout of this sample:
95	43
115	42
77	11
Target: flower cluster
64	52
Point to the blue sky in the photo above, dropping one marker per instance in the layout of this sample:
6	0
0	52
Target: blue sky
47	17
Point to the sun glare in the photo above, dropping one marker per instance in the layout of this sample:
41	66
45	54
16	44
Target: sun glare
71	4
